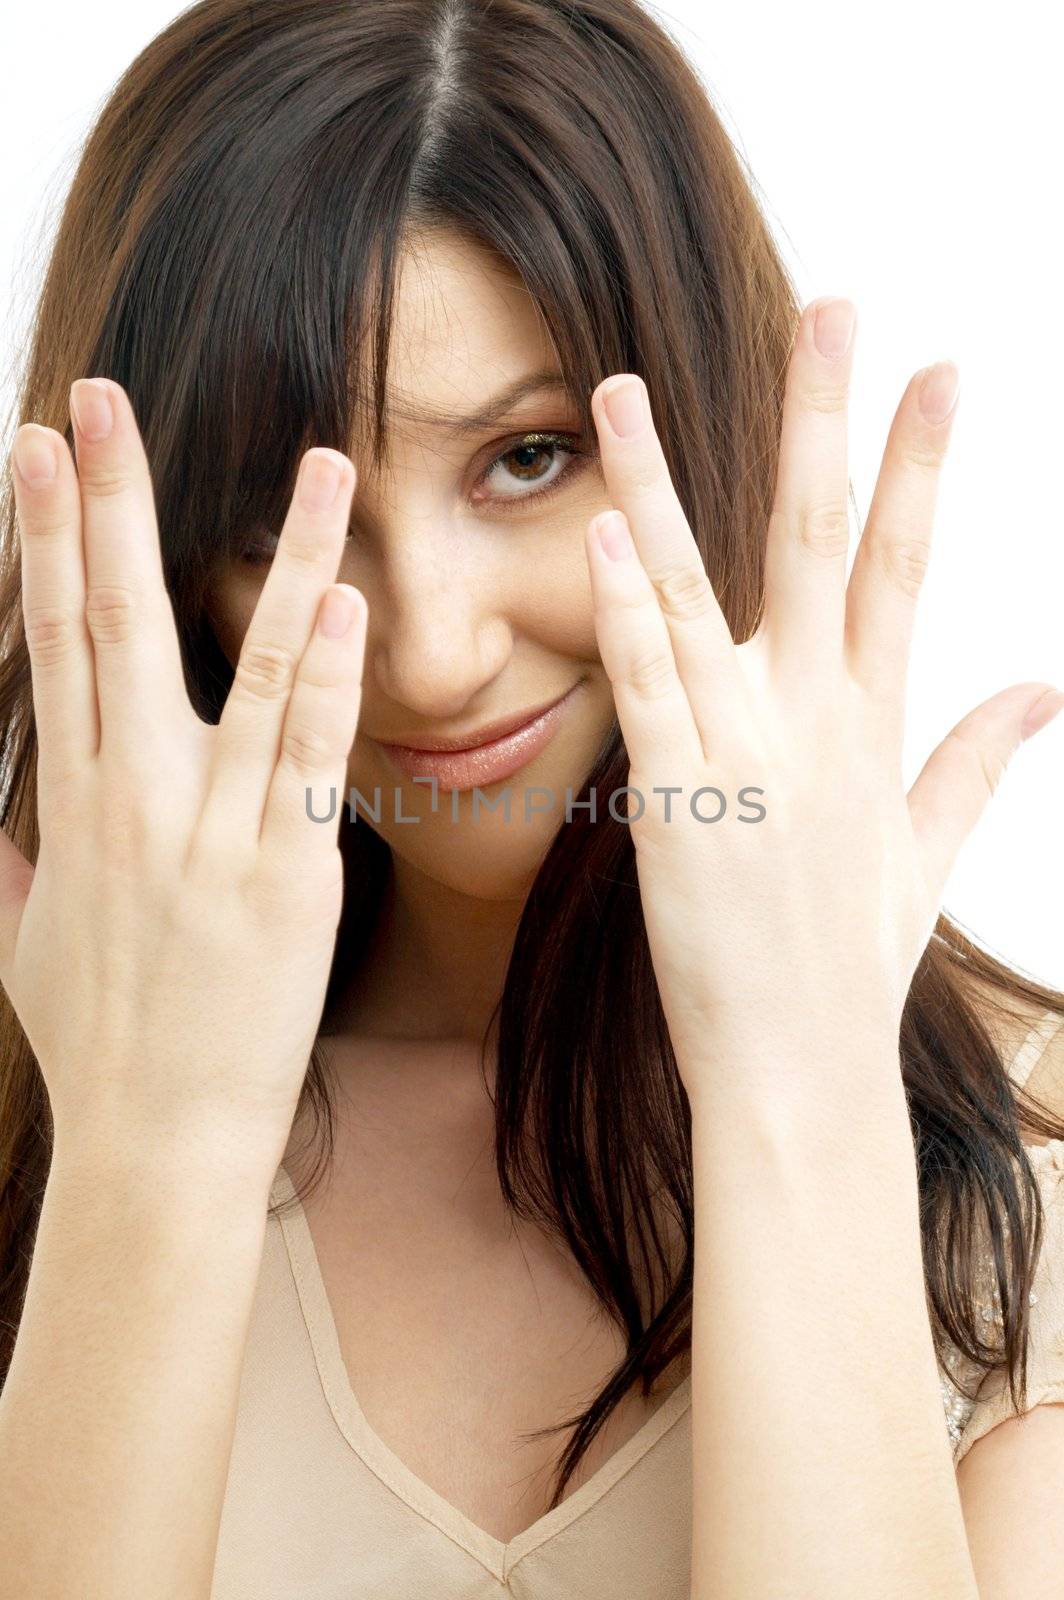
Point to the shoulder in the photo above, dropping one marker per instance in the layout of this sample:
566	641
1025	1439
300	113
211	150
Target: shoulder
1030	1037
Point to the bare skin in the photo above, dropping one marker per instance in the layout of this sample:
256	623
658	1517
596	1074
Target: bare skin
459	1328
449	1316
472	615
173	1103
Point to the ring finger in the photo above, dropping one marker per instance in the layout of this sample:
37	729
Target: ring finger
891	559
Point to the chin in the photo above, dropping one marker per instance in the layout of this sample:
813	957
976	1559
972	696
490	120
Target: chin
485	862
467	846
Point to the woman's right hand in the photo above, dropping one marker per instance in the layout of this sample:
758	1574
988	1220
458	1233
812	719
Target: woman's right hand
168	954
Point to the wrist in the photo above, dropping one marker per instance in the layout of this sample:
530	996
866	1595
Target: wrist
798	1081
152	1171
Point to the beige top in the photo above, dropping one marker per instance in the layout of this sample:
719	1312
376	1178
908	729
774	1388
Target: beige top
318	1508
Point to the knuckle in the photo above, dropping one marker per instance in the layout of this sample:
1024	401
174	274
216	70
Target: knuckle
651	675
825	530
307	749
924	455
302	548
685	591
49	520
103	482
990	765
264	671
906	562
320	687
638	602
827	399
51	633
110	613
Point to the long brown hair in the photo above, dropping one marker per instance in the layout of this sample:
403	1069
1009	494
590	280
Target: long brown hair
227	249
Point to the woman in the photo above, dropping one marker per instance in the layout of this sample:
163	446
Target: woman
320	649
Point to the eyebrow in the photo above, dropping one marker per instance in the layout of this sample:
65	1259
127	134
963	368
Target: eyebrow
495	406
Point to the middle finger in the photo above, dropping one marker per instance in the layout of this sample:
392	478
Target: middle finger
808	535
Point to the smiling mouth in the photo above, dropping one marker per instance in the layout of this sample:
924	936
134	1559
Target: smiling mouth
491	732
485	756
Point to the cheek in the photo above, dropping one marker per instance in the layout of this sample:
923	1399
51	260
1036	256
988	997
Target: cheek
555	600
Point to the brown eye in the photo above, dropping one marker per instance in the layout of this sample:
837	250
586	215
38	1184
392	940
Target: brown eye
530	467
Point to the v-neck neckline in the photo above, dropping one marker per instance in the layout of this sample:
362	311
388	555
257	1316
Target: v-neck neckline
497	1555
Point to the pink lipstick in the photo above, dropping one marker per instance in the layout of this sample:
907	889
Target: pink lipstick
486	756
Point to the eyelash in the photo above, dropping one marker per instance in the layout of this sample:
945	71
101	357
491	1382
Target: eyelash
257	554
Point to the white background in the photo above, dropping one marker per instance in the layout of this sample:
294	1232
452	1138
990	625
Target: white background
908	158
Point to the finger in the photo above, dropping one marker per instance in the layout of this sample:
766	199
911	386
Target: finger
640	486
319	729
65	708
653	710
16	876
808	533
308	555
140	683
888	569
962	773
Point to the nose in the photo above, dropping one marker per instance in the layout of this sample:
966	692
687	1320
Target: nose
440	631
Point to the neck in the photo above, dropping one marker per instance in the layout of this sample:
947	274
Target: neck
436	963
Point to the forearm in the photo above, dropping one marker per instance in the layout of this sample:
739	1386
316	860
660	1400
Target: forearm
822	1464
117	1418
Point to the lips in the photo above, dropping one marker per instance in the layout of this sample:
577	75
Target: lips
480	736
487	755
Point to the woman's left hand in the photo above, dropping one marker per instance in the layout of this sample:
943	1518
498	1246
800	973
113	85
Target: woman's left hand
823	907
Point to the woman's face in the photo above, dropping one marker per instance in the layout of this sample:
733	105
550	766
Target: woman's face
469	549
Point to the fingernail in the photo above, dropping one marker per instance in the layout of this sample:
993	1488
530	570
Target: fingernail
939	390
90	404
319	481
614	537
626	407
833	327
337	612
35	457
1042	711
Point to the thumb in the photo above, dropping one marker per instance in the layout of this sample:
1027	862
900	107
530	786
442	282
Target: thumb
16	875
961	774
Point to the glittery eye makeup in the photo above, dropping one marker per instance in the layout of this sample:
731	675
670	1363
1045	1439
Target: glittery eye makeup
536	444
522	455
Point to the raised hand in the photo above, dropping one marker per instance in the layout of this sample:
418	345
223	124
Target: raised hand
822	908
169	951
